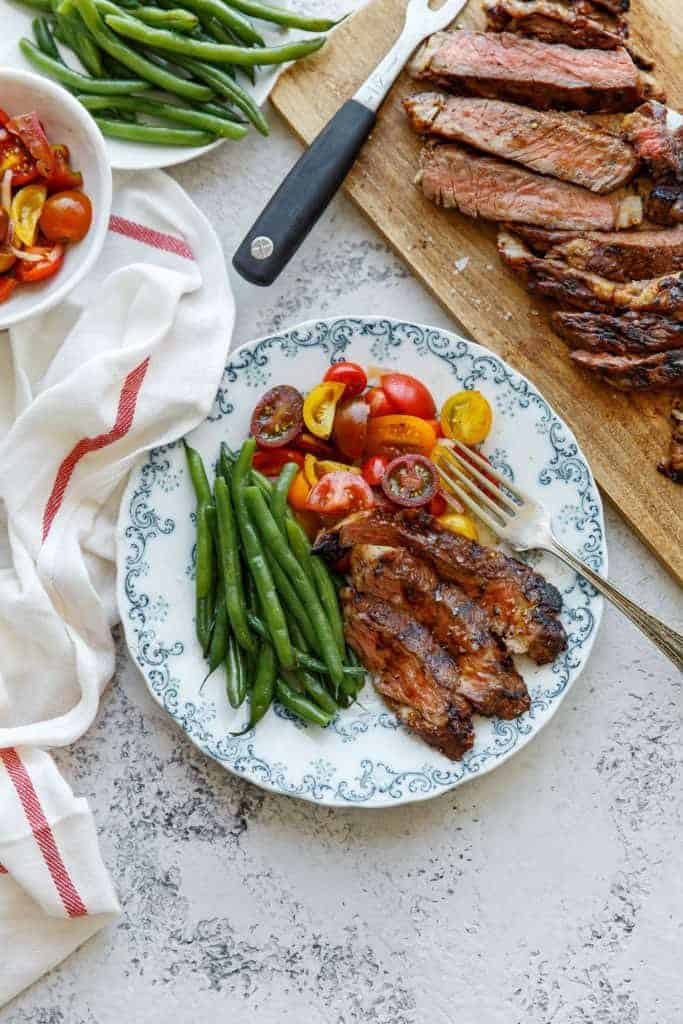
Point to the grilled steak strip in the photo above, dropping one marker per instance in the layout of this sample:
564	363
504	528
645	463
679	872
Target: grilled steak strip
673	465
538	74
571	287
554	23
664	205
483	186
627	334
521	604
416	677
487	675
557	144
660	149
660	372
620	256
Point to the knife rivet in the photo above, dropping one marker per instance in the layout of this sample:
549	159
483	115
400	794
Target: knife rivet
262	247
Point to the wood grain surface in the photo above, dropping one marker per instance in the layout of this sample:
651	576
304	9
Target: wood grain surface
623	435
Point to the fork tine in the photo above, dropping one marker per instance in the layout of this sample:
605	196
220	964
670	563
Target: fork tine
448	474
471	505
476	458
508	506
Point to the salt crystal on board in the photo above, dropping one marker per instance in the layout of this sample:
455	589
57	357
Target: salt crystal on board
461	264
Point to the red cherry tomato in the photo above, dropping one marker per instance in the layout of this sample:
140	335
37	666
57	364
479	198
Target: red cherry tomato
66	217
278	417
410	481
15	157
29	130
379	403
438	429
306	442
438	505
270	461
340	493
408	395
53	257
7	286
351	428
351	375
62	177
374	468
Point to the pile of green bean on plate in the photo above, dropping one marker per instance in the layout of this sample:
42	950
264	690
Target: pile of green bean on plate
266	608
189	51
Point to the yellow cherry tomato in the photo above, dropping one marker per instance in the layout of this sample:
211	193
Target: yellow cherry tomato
458	522
314	468
467	417
27	206
319	407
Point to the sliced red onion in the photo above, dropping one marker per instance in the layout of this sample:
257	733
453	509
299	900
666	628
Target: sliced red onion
29	257
6	190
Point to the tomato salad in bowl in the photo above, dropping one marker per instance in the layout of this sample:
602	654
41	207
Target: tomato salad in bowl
365	438
43	207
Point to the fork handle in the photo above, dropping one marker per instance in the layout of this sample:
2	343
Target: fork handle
668	640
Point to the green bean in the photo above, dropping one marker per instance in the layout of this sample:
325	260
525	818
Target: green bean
80	41
224	85
172	42
291	600
303	659
44	38
152	133
283	16
263	689
218	647
172	17
281	492
330	601
299	543
229	556
38	5
200	480
108	42
279	548
73	79
300	705
226	462
225	15
236	675
313	687
139	104
256	562
204	577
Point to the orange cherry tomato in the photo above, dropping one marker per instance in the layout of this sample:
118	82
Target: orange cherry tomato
408	395
399	431
66	217
351	375
299	491
378	402
52	260
7	286
374	467
306	442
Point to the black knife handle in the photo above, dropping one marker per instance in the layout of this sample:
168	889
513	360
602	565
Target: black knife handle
303	195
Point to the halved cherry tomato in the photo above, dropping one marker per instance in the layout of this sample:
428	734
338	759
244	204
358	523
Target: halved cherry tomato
351	427
25	212
7	258
458	522
306	442
410	481
378	402
438	505
62	176
270	462
28	128
7	286
408	395
53	257
15	158
66	216
374	467
351	375
315	469
390	432
437	427
339	494
277	418
299	491
320	406
467	417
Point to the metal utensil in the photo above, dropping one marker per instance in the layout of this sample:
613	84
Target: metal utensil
526	524
315	178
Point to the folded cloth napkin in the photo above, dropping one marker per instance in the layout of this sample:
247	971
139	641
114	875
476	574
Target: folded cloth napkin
130	360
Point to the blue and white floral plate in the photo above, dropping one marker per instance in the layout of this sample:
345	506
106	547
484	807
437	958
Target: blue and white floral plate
364	757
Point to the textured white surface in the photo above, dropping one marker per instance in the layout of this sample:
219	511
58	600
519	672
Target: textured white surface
549	892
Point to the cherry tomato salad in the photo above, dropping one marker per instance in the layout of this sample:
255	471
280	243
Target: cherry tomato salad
362	439
43	208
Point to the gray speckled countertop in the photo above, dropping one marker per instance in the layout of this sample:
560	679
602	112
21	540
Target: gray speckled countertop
549	892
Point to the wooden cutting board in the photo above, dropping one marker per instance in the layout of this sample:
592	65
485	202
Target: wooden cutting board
623	435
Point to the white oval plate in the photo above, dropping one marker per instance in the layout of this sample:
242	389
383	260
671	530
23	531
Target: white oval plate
364	757
132	156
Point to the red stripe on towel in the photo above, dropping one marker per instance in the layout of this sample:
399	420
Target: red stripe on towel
124	419
148	236
44	837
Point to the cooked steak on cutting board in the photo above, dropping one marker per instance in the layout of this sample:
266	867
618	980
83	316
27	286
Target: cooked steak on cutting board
660	149
672	466
660	372
619	255
528	71
625	334
553	143
482	186
664	205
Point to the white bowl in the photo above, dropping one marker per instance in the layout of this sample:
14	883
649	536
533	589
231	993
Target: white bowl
67	122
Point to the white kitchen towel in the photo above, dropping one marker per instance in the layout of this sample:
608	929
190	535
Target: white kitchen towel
130	360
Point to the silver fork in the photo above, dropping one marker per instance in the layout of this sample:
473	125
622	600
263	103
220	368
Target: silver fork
308	188
525	524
